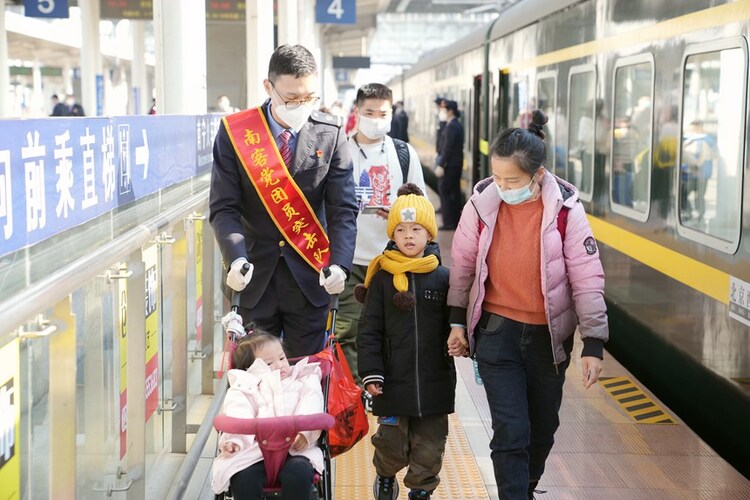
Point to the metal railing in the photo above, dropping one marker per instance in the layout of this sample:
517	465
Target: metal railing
185	474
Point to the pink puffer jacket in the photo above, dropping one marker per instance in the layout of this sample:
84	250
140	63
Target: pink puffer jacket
260	392
572	283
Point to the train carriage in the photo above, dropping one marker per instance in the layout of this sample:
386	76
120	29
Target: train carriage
648	107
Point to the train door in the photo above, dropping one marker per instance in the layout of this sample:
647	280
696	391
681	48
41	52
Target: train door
503	100
475	134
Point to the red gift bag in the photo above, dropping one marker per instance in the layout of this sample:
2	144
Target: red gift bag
344	403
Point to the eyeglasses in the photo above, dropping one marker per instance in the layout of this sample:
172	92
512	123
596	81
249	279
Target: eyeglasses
290	105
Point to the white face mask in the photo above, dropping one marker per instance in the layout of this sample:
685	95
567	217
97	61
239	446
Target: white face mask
374	128
294	118
518	195
443	115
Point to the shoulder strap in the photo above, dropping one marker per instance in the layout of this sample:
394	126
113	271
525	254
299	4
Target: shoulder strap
562	222
402	151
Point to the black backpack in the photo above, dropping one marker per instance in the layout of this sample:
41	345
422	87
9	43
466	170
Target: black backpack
402	151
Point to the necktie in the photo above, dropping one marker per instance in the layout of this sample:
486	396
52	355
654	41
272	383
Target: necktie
285	150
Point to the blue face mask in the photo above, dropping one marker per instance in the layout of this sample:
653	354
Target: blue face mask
515	196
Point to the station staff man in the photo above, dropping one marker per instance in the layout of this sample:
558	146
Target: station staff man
282	199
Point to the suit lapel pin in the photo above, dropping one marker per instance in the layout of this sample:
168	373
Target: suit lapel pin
319	153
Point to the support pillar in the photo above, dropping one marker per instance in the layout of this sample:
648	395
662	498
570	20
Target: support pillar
91	56
140	93
307	30
67	78
37	101
259	40
5	103
287	16
180	40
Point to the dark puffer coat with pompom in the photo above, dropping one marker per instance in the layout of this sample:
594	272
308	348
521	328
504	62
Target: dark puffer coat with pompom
406	350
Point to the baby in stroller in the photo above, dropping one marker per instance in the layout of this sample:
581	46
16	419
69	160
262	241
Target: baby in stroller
264	384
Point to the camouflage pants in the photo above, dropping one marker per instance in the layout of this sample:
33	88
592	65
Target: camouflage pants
347	319
418	443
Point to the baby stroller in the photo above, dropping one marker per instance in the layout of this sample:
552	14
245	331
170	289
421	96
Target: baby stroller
275	435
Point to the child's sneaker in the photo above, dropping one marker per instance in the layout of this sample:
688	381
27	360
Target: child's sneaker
367	400
419	495
385	488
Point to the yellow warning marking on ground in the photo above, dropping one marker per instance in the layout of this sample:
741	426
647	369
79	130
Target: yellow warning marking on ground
634	401
459	477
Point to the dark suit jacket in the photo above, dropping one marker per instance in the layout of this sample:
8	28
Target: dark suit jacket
60	109
243	227
452	150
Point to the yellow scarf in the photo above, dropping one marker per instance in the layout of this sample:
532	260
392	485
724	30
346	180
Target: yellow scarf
398	265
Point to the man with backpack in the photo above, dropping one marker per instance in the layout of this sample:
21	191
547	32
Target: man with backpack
381	165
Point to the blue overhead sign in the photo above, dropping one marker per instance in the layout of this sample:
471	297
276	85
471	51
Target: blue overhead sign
58	173
46	8
335	12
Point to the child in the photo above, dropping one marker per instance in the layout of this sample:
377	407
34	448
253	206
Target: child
402	353
263	384
521	282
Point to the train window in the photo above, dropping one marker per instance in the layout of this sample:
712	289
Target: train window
711	145
630	181
584	130
522	103
546	92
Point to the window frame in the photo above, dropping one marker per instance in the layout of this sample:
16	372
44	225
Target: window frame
577	70
516	81
618	208
729	247
544	75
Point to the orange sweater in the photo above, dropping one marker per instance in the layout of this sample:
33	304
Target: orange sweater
514	285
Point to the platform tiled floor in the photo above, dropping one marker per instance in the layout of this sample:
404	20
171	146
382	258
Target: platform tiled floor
460	476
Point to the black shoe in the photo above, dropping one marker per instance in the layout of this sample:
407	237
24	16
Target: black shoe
419	495
533	490
385	488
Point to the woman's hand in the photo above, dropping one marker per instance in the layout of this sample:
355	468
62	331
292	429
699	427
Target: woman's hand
458	344
300	443
591	367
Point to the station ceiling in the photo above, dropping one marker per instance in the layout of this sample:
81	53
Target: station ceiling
391	32
357	39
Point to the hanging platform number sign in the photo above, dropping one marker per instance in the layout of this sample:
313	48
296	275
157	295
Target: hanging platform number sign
46	8
336	12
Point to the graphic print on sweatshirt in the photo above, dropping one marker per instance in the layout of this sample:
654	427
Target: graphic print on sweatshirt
373	187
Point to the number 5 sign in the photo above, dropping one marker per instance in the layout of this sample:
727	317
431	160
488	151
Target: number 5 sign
46	8
335	12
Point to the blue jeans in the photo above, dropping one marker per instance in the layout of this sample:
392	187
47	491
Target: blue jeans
524	392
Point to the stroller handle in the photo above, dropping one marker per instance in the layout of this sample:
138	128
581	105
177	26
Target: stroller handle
235	300
334	305
264	426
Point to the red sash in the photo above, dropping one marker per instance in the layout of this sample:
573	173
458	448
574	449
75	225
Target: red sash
283	199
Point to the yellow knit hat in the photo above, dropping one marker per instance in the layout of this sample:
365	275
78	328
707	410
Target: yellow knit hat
412	206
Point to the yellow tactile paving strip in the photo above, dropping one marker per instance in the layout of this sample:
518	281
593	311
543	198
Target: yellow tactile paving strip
459	478
634	401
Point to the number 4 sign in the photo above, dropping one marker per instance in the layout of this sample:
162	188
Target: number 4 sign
335	12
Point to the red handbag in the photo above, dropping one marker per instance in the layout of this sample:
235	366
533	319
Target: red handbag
344	403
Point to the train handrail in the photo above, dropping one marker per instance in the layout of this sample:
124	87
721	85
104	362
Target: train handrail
17	310
185	473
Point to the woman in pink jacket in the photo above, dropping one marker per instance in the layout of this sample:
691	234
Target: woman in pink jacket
525	273
265	385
